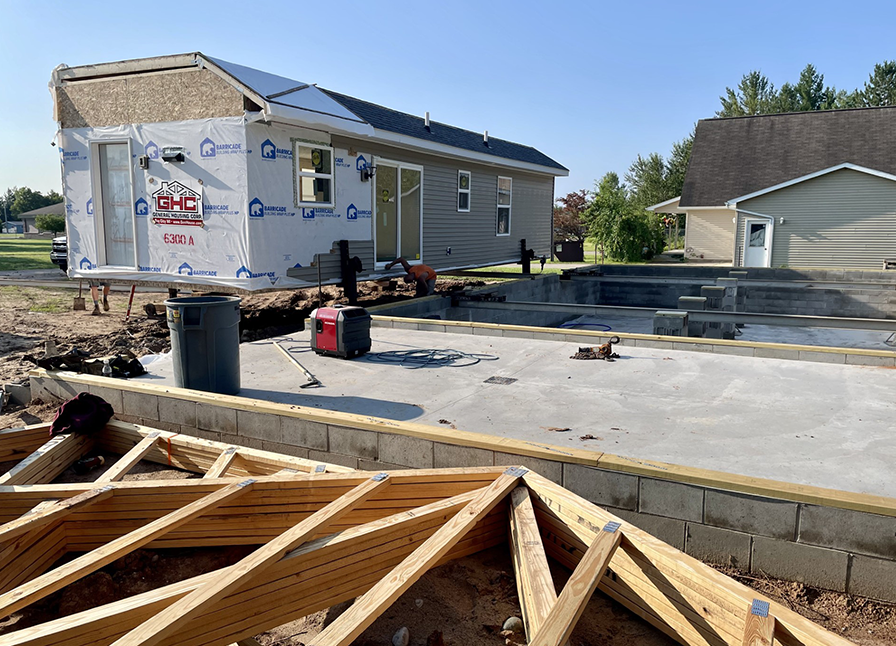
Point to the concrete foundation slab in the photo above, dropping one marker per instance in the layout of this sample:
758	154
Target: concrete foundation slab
769	418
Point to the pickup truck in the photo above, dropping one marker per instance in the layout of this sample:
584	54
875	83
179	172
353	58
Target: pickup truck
59	253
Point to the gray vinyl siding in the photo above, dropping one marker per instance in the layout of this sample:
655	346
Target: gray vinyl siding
709	234
472	236
845	219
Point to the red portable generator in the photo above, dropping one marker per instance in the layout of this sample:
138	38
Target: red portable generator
340	331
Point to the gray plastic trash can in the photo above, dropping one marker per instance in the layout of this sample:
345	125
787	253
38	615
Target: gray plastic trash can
205	342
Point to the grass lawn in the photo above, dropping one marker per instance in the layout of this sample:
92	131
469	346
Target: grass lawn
18	253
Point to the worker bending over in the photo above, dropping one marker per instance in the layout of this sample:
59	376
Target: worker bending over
422	275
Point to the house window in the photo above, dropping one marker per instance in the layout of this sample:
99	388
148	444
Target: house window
504	193
463	191
314	175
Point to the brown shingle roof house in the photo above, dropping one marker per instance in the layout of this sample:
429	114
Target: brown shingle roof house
802	189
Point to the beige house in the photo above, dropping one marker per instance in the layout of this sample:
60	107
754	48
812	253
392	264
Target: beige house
806	189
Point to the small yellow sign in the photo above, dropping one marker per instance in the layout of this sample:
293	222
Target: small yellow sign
385	195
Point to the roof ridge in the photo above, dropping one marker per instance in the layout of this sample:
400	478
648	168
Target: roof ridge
414	116
799	112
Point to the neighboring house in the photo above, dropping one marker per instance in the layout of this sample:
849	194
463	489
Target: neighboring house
11	227
191	169
29	218
804	189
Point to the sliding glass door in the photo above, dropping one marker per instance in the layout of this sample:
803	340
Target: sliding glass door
398	196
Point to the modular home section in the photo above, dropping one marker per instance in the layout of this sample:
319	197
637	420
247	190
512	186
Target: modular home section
188	169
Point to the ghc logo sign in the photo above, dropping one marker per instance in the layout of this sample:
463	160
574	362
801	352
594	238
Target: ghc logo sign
174	197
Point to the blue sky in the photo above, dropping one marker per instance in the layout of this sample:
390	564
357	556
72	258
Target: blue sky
592	84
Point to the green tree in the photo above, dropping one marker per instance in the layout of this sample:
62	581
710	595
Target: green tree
623	231
25	199
647	179
755	94
50	222
677	165
880	89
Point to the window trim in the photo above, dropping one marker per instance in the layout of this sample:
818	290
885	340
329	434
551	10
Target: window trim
298	174
464	190
499	206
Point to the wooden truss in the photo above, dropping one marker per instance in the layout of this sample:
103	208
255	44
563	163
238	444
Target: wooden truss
326	534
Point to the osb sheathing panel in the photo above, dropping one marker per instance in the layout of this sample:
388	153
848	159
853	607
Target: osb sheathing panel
148	98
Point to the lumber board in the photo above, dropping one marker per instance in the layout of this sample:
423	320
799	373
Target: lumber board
124	464
48	461
220	466
760	625
17	443
31	554
565	613
182	612
287	595
580	511
95	559
535	586
51	510
376	600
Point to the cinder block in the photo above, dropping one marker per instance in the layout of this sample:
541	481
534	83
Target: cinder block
776	353
374	465
48	390
159	425
751	514
816	566
822	357
427	327
241	440
619	490
875	578
351	441
285	449
403	449
720	546
404	325
333	458
302	432
216	418
178	411
130	419
451	455
671	499
668	530
111	395
262	426
547	468
844	529
866	360
518	334
487	331
140	404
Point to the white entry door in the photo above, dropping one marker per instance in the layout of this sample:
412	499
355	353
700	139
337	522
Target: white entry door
398	207
757	243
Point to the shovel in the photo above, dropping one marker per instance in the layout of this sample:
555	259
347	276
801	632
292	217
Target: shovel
79	303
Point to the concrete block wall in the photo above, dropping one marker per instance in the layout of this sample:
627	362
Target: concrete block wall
829	547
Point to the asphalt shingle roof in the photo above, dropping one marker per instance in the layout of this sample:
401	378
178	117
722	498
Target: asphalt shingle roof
402	123
56	209
737	156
